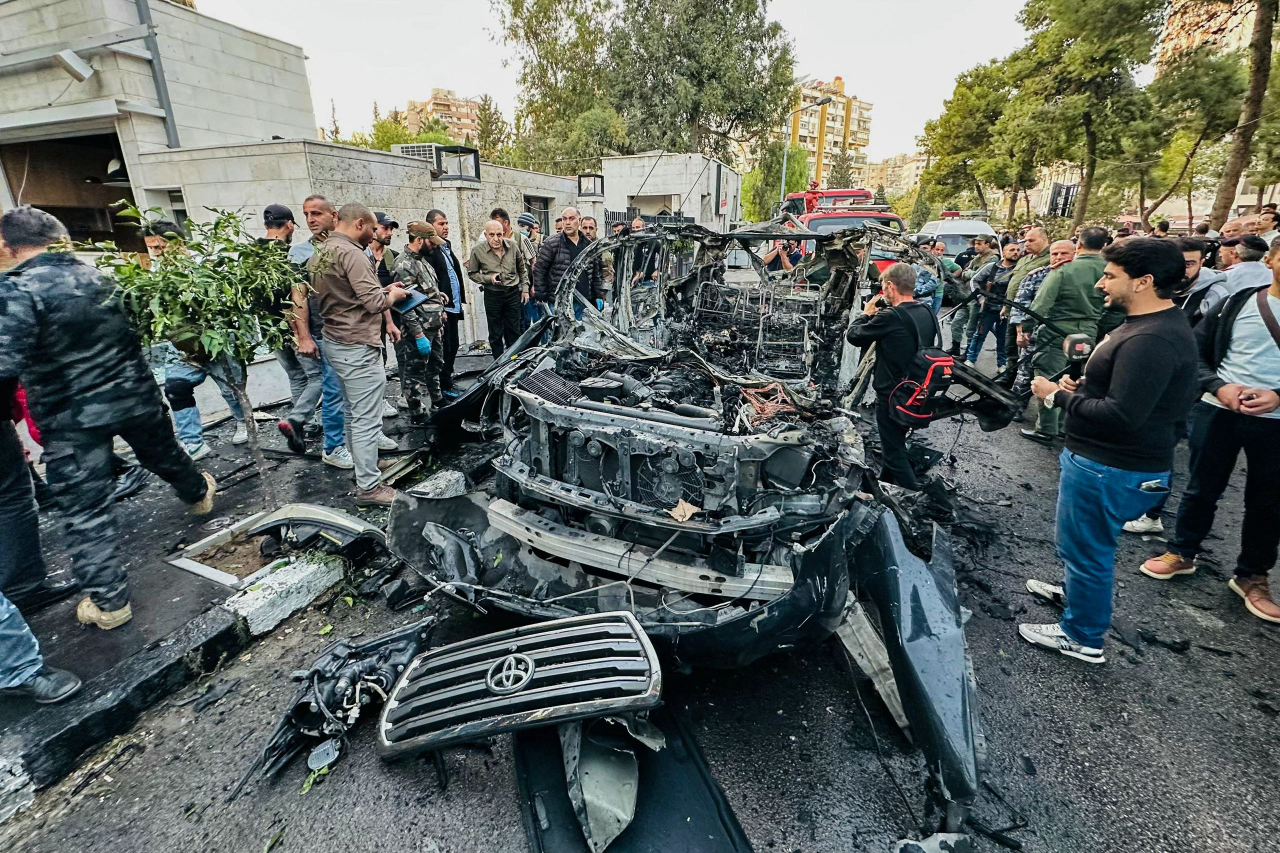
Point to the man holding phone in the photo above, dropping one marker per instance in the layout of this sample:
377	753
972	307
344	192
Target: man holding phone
1239	349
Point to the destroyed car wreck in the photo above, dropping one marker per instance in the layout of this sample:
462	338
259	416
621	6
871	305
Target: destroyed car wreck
687	471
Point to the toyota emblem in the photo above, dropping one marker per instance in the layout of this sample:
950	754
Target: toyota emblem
509	674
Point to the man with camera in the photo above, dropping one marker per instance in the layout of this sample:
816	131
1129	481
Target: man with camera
899	325
783	257
1120	434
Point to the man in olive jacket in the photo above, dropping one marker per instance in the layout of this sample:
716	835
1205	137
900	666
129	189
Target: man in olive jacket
1070	300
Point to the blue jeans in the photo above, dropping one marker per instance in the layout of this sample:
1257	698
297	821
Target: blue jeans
937	301
988	323
333	409
1094	502
19	650
180	381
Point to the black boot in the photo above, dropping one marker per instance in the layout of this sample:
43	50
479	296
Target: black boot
47	686
954	352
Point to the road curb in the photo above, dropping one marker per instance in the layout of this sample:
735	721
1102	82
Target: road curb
47	745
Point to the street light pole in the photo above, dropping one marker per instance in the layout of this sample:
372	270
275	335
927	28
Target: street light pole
782	193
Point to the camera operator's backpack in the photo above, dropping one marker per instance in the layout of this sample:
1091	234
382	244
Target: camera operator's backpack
911	403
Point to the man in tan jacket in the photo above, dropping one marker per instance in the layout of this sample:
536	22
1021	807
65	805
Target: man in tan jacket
353	305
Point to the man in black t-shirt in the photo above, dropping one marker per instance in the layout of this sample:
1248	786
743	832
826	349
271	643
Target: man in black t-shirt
898	329
1120	434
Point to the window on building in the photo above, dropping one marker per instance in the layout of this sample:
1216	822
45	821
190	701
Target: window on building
540	207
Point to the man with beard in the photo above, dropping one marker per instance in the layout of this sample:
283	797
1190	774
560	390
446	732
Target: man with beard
420	352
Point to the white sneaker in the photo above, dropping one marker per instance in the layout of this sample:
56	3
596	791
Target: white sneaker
1144	524
386	442
388	410
1047	592
1052	636
197	451
242	432
339	458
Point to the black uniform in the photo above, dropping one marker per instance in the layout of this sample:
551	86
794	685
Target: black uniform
66	337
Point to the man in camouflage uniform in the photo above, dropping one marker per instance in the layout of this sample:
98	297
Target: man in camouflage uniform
65	336
420	352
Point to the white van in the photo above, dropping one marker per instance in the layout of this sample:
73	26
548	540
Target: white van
956	233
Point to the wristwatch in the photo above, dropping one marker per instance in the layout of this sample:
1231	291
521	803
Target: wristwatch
1048	401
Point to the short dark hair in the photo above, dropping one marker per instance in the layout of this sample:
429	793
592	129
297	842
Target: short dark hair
500	214
29	227
1191	244
1160	259
162	228
1202	229
585	218
1093	238
1163	225
433	214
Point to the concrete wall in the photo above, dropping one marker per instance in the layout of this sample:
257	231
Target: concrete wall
676	182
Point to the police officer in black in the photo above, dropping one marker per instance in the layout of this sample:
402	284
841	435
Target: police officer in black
66	337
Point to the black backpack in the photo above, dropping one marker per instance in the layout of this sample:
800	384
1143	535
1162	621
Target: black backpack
912	401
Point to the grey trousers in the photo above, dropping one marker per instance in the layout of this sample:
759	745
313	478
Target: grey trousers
363	379
305	380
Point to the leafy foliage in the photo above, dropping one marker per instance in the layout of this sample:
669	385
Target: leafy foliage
760	186
215	293
559	45
699	75
679	75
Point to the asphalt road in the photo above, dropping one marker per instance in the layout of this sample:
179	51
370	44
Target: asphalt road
1169	747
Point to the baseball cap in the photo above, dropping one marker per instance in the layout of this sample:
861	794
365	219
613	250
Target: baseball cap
276	214
424	229
383	219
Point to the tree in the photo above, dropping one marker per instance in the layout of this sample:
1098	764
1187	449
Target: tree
920	208
1264	22
1080	60
760	186
492	132
1266	142
559	45
960	139
699	75
841	174
215	295
1199	95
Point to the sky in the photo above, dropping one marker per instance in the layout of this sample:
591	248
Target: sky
901	56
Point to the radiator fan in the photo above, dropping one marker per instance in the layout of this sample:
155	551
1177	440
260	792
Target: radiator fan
663	481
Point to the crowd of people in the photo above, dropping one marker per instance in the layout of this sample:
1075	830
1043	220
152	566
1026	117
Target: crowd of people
1187	346
1169	327
73	369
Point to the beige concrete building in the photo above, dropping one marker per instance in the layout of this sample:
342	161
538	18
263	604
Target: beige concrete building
844	124
663	184
898	174
461	116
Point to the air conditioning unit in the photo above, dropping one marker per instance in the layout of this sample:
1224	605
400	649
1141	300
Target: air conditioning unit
421	150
